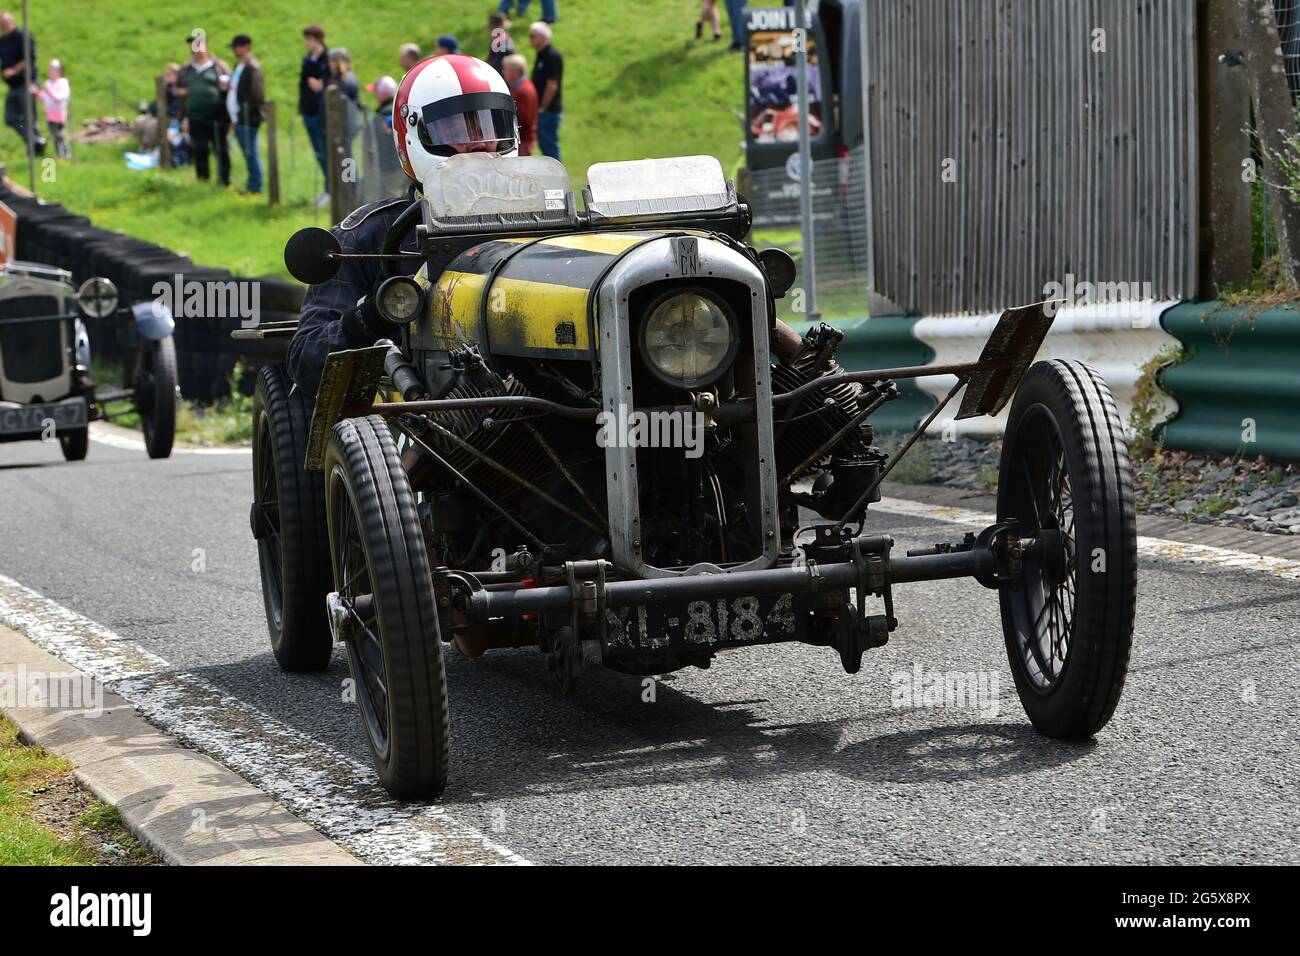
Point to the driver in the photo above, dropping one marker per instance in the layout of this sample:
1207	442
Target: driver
445	105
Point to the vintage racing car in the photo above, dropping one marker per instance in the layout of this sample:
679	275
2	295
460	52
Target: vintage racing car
46	389
492	479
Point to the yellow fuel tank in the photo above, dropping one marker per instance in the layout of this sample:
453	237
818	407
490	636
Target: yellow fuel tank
525	297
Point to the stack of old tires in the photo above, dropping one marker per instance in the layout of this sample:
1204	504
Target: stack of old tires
208	303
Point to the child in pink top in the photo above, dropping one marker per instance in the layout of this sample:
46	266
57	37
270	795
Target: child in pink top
55	94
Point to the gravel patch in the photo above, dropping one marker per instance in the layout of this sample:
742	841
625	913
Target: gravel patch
1250	494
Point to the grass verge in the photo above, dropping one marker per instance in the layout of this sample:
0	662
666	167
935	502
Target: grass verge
47	819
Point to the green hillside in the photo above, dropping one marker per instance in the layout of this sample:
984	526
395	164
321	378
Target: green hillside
637	85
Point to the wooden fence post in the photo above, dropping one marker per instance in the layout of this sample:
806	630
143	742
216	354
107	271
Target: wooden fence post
342	178
272	155
164	124
1225	200
1274	123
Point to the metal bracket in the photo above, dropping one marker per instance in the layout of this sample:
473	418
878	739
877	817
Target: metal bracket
580	646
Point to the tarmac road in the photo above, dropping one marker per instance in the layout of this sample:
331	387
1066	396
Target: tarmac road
772	755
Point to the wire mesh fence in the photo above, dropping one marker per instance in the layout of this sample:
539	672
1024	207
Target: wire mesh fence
839	226
364	148
370	143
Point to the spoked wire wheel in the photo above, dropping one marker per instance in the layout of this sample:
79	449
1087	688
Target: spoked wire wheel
355	599
1043	502
288	521
1068	617
383	607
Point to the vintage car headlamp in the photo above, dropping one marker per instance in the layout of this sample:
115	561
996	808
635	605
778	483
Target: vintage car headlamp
688	338
400	300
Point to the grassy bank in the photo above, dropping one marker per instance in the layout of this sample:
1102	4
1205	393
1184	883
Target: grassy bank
46	819
636	86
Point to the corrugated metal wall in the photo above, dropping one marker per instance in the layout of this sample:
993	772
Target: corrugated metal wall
1066	161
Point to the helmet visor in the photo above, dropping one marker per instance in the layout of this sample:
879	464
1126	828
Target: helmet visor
477	122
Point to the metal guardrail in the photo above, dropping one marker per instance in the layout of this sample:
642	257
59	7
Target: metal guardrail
1238	389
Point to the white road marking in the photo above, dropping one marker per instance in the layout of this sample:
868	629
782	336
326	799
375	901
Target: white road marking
107	435
330	790
1147	546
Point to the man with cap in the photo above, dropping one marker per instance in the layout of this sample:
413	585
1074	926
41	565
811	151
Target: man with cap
202	87
447	44
244	102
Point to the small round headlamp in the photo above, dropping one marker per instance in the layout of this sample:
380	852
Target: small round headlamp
688	338
400	300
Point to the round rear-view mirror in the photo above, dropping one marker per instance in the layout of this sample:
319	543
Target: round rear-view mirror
310	255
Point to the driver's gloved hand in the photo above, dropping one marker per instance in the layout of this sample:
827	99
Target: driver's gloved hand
365	326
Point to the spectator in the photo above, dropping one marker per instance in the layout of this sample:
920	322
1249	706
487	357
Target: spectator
311	97
202	86
500	45
515	71
447	44
14	50
737	20
171	74
549	12
548	80
384	88
341	74
709	12
244	101
408	55
55	95
393	180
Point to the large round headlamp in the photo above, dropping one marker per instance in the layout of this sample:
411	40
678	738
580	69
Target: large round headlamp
400	300
688	338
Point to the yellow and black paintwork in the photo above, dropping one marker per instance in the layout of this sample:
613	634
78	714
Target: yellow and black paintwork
525	297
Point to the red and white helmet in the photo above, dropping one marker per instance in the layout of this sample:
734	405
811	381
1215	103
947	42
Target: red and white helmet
451	104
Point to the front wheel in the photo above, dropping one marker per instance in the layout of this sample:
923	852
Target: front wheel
155	395
383	608
74	443
1068	618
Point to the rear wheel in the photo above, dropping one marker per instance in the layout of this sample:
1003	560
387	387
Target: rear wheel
155	395
384	609
1068	619
288	520
74	443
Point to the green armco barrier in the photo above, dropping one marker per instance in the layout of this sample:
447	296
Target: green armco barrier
886	341
1239	367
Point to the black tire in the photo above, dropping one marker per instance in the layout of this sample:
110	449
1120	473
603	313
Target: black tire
289	523
1065	468
155	395
381	573
74	443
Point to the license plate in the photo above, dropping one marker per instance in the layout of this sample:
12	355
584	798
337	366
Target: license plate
49	418
716	621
